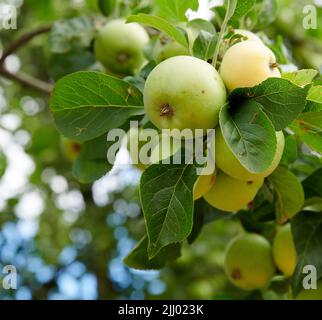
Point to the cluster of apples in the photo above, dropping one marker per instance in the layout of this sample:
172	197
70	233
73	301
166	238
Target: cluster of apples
184	92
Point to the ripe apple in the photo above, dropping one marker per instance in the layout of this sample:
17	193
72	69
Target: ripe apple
184	93
231	195
228	162
203	185
249	263
119	46
247	64
249	35
284	251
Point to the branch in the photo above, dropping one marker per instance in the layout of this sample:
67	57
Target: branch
24	79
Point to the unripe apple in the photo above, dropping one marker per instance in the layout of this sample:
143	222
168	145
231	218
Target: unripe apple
249	35
184	93
249	262
247	64
203	185
166	48
284	251
231	195
228	162
71	149
119	46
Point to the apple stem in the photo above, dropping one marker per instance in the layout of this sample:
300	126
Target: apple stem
166	111
273	65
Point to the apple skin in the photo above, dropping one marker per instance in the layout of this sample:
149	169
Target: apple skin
247	64
249	35
203	185
249	263
184	93
228	163
120	46
231	195
284	251
166	48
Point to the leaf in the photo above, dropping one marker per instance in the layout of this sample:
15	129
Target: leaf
266	13
138	257
204	214
175	10
302	77
313	185
167	200
289	192
3	164
250	135
307	235
201	25
308	127
66	34
86	105
160	24
242	8
290	151
313	106
281	100
315	94
205	45
107	6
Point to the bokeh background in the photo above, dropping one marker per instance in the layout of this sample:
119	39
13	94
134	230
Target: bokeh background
68	240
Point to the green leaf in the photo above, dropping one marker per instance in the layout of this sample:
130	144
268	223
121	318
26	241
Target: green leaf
290	151
281	100
313	185
86	105
302	77
167	200
242	8
313	106
308	127
175	10
3	164
250	135
162	25
205	45
106	6
201	25
289	192
307	235
66	34
315	94
138	257
266	13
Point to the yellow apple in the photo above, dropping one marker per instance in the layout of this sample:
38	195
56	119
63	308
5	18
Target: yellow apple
231	195
284	250
227	161
247	64
203	185
249	263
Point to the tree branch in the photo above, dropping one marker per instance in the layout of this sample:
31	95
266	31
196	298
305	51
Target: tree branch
24	79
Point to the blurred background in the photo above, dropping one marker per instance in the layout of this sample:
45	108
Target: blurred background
67	240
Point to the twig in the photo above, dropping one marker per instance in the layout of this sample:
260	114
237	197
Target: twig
24	79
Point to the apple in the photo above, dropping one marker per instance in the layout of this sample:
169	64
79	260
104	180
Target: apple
71	149
203	185
228	162
184	93
247	64
166	48
311	294
284	251
120	46
230	194
249	263
249	35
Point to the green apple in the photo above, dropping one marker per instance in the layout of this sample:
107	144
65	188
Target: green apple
203	185
71	149
184	93
120	46
249	263
231	195
247	64
228	162
249	35
311	294
284	251
166	48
